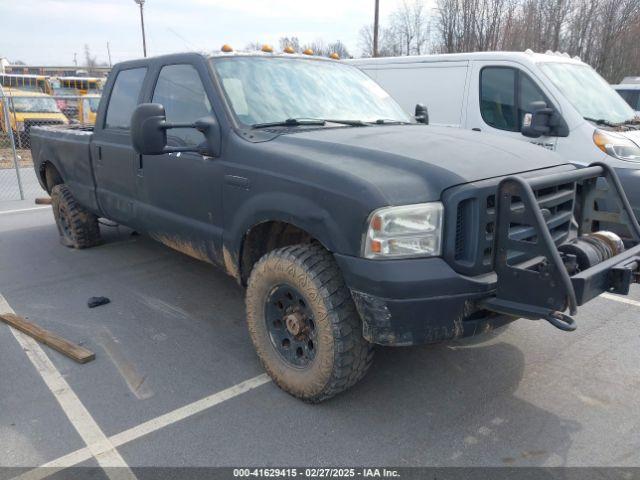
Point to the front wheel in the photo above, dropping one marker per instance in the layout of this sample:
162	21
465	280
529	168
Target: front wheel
304	325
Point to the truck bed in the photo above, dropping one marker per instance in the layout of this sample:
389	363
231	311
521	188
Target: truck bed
68	149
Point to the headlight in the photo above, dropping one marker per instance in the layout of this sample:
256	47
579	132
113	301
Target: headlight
406	231
616	145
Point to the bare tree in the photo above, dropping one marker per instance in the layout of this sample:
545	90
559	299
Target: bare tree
410	27
387	44
253	46
292	42
89	60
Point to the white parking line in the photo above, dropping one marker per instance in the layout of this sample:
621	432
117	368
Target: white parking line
145	428
617	298
24	210
97	442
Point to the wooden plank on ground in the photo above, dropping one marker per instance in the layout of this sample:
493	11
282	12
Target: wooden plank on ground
65	347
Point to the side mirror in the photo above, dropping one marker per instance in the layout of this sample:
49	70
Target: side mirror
148	135
543	120
149	132
422	114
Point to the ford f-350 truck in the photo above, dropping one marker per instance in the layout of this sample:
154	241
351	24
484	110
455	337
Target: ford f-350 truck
349	223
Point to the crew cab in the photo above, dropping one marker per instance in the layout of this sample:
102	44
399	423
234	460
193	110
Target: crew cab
349	223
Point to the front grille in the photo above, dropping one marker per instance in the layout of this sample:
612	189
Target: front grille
475	225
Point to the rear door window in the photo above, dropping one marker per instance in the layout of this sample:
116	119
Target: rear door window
124	98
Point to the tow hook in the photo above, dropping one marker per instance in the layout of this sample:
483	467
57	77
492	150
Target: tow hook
561	321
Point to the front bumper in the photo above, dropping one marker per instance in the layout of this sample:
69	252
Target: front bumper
417	301
408	302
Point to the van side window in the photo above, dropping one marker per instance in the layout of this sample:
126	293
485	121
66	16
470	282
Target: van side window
528	92
632	97
124	98
505	96
498	97
182	93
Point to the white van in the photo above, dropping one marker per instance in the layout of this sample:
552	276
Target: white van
550	99
629	89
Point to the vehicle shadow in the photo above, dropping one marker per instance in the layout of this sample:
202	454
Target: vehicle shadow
459	407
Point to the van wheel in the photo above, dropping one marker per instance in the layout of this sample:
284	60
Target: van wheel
304	324
78	227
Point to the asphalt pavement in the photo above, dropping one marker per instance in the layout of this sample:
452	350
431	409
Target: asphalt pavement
176	381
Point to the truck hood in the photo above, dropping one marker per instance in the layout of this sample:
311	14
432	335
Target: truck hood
403	160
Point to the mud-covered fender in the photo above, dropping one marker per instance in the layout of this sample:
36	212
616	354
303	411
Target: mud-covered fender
304	213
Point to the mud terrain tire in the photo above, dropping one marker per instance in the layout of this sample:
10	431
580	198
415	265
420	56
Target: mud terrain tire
302	285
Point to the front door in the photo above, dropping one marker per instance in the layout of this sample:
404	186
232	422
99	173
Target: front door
180	193
501	99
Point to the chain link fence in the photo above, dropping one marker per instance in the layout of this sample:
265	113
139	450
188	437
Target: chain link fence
19	112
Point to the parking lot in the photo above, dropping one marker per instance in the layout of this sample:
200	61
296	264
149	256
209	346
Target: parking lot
176	381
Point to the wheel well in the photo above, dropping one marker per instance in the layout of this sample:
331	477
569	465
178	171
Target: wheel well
265	237
50	176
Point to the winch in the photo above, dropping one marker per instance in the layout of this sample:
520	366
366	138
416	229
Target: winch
591	249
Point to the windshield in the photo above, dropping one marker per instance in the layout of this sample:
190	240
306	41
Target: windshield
263	90
35	105
588	92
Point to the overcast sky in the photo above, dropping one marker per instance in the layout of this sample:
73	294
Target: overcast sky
51	31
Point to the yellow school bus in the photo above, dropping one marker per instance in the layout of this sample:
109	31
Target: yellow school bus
30	83
67	91
27	108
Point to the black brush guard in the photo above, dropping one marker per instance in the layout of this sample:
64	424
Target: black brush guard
543	288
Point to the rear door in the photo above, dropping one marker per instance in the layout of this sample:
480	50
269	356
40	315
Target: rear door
500	97
114	159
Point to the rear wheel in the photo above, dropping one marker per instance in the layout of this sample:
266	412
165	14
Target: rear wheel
304	324
77	226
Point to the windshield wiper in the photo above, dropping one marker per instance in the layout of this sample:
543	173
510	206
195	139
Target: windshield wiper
353	123
291	122
390	121
299	122
602	121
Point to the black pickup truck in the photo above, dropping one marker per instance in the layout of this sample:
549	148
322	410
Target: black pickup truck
349	222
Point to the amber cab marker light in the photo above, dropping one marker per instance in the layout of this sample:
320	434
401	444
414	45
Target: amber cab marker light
267	48
226	48
335	56
289	49
308	51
